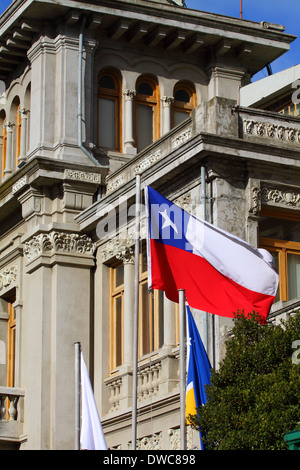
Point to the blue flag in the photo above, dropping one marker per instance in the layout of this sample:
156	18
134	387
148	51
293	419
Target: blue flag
199	370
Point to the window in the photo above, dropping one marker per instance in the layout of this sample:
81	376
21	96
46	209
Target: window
116	316
151	319
109	112
280	234
147	111
184	102
11	343
150	313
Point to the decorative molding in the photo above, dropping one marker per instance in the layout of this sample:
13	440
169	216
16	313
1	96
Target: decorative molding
272	131
255	201
273	195
58	242
20	184
182	138
120	249
7	277
115	183
147	162
280	196
84	176
184	202
153	442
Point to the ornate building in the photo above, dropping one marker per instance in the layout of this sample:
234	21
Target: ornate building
92	94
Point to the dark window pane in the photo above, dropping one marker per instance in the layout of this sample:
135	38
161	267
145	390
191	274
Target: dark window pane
280	229
182	95
144	126
107	82
106	123
119	275
145	89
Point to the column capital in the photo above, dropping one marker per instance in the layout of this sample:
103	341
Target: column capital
129	94
167	101
121	249
59	248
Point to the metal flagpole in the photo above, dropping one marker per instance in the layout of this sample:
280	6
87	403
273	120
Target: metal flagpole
241	9
136	310
182	331
77	394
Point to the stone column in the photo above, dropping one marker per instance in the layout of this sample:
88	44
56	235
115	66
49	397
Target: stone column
129	142
167	102
23	144
9	150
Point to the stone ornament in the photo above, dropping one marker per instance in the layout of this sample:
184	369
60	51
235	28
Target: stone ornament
272	131
273	196
286	197
7	277
58	242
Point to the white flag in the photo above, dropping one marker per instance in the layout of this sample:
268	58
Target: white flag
91	435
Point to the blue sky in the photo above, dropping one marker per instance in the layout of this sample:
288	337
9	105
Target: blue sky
285	12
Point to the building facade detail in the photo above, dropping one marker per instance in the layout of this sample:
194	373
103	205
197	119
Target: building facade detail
274	195
272	131
7	277
58	242
158	94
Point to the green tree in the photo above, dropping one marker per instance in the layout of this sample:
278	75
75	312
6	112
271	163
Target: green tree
254	397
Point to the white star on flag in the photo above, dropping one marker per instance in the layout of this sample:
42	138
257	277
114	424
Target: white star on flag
168	222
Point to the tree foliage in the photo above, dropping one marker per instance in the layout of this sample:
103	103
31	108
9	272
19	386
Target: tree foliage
254	397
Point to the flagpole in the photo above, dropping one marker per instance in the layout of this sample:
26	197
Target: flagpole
203	202
136	310
182	330
77	394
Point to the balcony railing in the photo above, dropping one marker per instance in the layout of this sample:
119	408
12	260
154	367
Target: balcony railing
13	395
11	418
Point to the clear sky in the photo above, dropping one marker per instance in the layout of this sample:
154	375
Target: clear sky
285	12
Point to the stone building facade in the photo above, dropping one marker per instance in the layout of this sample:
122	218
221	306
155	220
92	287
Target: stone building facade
94	93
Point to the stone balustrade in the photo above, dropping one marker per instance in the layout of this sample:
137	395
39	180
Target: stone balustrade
11	395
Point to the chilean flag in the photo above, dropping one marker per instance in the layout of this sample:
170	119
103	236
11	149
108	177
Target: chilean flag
219	272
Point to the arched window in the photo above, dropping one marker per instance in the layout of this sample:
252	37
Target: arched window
109	111
146	112
184	102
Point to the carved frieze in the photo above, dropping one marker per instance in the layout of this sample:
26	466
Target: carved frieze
272	195
280	196
272	131
7	277
153	442
181	138
85	176
58	242
115	183
20	184
147	162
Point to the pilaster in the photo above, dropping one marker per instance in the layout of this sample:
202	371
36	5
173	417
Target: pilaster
58	273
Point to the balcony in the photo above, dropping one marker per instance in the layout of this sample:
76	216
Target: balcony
11	425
